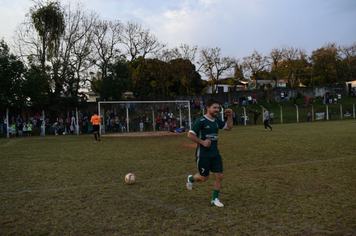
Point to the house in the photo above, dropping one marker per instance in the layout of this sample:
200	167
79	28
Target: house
222	88
91	96
350	85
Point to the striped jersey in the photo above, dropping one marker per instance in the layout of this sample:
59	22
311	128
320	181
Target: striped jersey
205	128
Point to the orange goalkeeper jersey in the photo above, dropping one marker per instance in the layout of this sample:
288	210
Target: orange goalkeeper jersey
95	120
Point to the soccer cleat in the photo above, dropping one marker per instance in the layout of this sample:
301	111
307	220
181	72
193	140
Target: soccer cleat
189	184
217	203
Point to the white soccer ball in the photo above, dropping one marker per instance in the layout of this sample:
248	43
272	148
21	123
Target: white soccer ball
130	178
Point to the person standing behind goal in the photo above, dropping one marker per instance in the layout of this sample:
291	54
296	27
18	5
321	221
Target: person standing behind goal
95	120
205	133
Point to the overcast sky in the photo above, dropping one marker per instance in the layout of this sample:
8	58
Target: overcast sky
236	26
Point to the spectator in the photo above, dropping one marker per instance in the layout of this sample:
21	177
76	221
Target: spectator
141	123
29	129
308	115
256	115
134	123
122	124
85	125
117	123
324	99
286	97
20	129
307	101
48	127
249	98
13	128
282	96
67	125
234	119
271	116
242	119
55	127
147	123
254	100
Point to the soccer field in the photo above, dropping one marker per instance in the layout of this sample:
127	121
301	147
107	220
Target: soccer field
299	179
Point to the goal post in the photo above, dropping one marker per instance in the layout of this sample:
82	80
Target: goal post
144	102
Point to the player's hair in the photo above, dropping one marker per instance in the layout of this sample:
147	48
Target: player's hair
212	101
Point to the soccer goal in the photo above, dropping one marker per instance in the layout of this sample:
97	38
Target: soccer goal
128	108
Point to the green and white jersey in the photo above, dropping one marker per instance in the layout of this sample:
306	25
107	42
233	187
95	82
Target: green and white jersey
205	128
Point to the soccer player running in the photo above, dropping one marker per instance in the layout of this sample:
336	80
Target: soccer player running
95	120
205	133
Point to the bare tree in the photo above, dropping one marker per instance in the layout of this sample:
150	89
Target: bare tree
107	36
139	42
185	52
349	54
213	65
237	76
275	56
255	64
292	57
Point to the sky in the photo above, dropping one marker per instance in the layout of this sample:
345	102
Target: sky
238	27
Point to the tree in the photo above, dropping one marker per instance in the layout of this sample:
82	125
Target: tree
326	64
11	78
349	58
255	64
213	65
138	43
48	20
188	80
238	76
275	56
116	82
292	58
106	40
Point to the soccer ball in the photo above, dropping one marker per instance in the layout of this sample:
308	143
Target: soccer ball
130	178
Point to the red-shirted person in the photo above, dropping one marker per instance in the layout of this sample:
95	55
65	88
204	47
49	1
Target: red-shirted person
95	120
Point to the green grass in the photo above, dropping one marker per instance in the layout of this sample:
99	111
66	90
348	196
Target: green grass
298	179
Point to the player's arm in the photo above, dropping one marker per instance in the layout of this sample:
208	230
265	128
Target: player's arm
229	122
194	138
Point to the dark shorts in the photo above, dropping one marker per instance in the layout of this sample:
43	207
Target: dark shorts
95	128
206	164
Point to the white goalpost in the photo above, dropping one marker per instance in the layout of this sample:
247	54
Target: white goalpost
153	110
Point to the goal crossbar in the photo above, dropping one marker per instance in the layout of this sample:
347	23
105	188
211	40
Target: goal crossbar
149	102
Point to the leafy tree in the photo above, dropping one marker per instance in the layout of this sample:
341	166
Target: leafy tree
326	65
187	79
48	20
116	82
11	77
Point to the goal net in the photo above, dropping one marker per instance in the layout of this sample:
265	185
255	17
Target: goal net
131	116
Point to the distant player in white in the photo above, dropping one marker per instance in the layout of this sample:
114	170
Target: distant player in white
205	133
